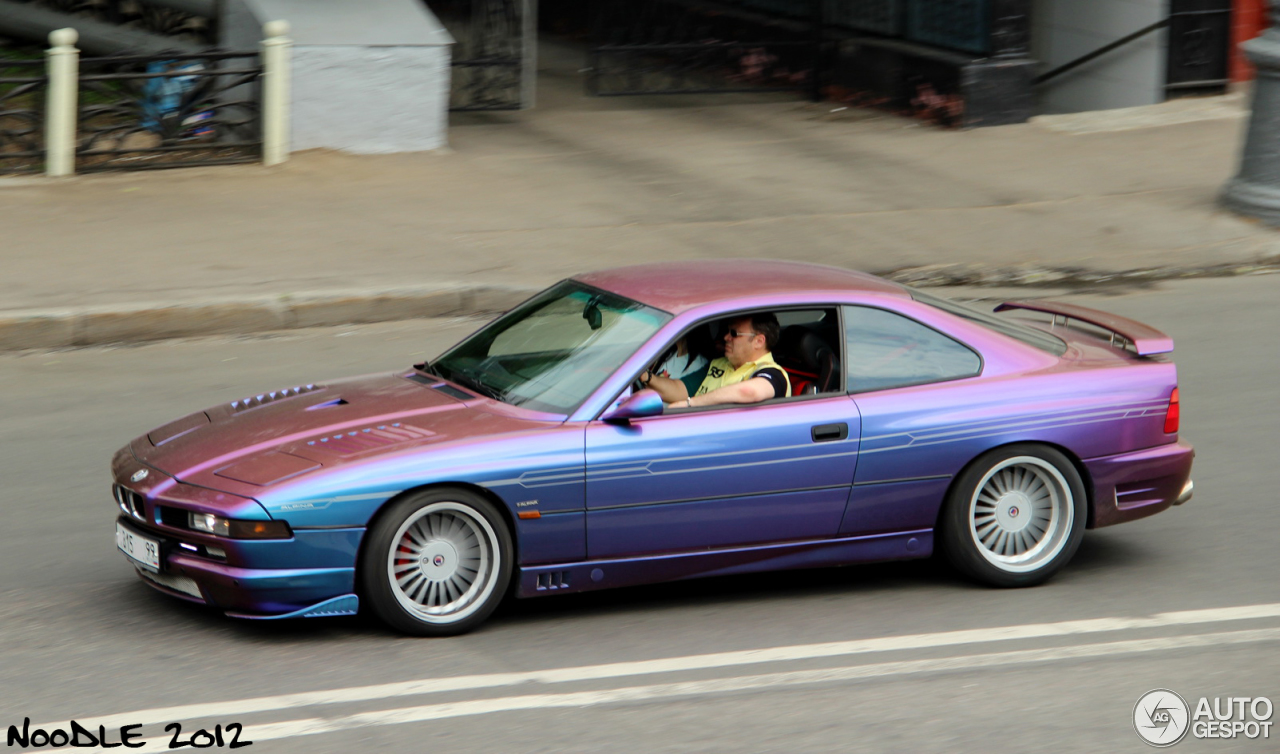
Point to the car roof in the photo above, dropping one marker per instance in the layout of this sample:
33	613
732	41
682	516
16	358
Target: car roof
679	286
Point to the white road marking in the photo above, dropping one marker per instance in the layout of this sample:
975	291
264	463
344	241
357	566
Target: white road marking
236	707
313	726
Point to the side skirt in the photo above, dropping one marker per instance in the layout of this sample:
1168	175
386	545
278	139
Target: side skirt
542	580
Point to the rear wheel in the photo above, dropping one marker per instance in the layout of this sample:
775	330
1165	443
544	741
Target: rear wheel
437	563
1015	516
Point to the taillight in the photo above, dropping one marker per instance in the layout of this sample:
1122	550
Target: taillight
1171	416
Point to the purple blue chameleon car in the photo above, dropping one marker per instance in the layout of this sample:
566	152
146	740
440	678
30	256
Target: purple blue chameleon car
528	460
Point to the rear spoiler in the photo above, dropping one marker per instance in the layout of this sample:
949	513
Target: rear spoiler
1145	340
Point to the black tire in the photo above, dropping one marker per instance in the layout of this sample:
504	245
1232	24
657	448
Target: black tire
1014	517
453	556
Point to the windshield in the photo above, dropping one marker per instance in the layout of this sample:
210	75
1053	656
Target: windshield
551	352
1029	335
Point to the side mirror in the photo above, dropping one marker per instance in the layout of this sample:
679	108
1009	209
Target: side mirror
643	403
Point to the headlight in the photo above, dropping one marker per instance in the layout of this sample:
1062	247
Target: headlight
210	523
236	528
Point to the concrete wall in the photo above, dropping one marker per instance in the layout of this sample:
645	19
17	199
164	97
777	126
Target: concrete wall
370	100
368	77
1063	30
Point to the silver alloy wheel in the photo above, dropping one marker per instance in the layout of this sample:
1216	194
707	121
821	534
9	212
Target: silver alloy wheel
1022	514
443	563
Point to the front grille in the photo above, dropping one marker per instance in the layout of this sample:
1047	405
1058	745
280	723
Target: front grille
130	502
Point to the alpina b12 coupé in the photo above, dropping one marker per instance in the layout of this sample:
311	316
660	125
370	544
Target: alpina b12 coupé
528	460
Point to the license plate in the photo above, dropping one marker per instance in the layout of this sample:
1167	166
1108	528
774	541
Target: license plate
141	550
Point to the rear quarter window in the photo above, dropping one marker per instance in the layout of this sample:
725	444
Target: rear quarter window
1028	335
885	350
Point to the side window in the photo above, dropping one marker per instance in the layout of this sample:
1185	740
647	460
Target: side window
885	350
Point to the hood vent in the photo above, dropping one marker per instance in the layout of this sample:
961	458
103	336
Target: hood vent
371	438
275	395
328	404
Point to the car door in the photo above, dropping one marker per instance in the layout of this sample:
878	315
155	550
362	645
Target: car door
723	477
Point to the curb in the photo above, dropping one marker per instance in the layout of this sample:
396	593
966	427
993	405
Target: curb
90	326
1039	276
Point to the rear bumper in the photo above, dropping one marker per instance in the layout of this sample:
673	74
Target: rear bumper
1135	485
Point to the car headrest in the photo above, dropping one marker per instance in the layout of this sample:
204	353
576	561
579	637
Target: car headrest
804	349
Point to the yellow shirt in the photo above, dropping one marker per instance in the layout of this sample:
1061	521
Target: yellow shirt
722	373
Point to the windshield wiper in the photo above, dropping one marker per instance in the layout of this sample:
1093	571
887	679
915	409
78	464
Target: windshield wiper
470	379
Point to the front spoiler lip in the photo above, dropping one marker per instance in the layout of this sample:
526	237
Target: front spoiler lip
251	592
342	605
347	604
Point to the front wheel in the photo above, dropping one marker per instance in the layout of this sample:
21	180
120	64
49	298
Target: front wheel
1015	516
437	563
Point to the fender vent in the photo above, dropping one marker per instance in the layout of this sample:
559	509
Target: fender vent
370	438
275	395
553	580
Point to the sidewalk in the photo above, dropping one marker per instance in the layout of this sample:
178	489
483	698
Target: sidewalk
524	199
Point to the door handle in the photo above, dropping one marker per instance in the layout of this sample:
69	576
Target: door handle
829	432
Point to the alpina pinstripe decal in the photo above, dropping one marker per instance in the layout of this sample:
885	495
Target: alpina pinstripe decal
315	502
916	438
866	451
1031	419
620	470
615	468
710	498
593	477
722	454
903	479
931	436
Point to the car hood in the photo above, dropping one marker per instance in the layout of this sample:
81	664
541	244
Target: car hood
249	445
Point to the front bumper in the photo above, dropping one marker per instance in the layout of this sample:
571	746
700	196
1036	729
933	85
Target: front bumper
244	592
1135	485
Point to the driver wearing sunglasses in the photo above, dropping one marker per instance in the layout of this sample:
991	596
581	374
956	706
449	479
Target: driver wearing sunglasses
746	373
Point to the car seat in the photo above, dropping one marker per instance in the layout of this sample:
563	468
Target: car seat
810	362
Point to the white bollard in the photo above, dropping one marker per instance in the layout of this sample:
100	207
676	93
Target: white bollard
275	92
63	62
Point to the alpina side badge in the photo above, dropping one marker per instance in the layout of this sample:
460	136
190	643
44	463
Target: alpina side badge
139	475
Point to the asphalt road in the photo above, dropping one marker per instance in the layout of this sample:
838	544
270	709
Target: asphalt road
81	638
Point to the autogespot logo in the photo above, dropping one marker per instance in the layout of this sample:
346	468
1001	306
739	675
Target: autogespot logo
1161	717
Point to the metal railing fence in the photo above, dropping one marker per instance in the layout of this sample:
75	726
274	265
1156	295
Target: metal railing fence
22	101
160	111
136	112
